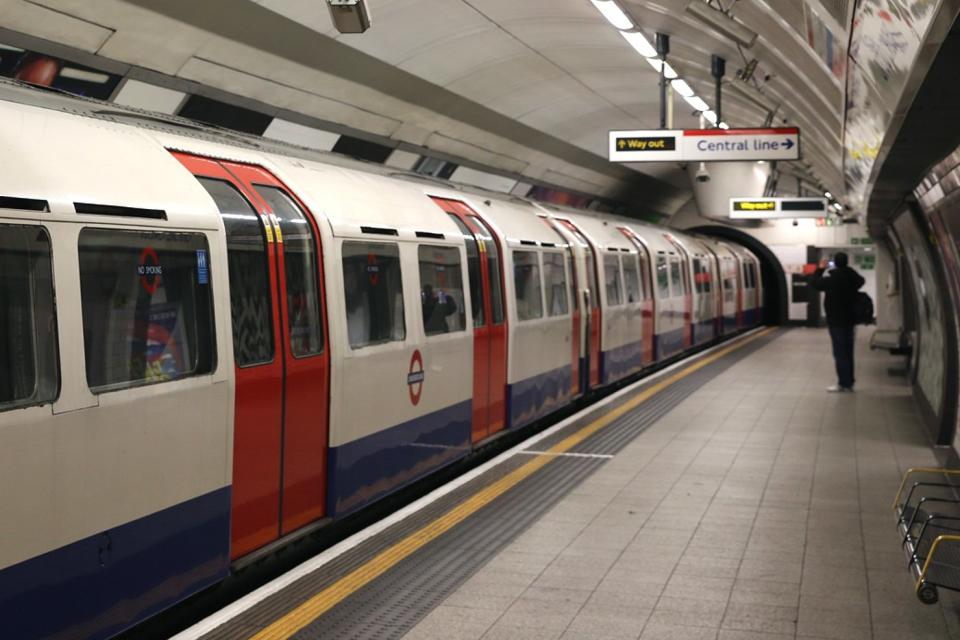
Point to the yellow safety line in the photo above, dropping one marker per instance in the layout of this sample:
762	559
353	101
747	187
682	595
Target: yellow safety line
317	605
910	472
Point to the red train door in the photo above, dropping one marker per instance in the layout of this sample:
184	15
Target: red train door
646	286
282	362
485	269
592	305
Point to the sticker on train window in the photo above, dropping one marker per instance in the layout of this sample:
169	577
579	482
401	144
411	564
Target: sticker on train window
150	270
203	270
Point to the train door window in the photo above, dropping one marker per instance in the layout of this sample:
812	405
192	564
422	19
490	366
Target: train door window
729	279
147	307
28	325
493	268
555	281
473	271
441	290
663	277
676	278
571	280
248	268
646	288
301	271
373	293
526	275
631	278
752	270
611	277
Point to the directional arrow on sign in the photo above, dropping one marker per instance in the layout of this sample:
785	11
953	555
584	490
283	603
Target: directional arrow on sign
788	144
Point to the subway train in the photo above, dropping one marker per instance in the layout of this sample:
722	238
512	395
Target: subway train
213	344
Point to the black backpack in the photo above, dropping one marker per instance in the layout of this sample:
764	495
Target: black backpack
863	308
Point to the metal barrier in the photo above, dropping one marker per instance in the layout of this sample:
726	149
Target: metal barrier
928	518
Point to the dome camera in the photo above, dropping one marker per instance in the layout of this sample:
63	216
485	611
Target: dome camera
702	175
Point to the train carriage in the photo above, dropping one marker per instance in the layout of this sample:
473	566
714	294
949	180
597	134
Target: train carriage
195	324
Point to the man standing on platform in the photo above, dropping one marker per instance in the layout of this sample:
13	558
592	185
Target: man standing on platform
841	286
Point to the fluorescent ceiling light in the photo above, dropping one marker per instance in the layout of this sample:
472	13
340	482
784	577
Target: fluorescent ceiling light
640	43
667	69
827	194
86	76
613	13
724	125
6	47
681	87
721	23
710	117
697	103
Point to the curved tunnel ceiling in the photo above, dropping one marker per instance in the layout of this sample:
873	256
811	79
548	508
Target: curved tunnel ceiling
527	86
560	67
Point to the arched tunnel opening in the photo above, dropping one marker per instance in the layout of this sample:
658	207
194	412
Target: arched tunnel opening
775	295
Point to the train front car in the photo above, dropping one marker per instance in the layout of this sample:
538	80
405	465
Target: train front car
116	402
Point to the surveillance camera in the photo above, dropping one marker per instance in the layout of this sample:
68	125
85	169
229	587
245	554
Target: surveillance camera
702	175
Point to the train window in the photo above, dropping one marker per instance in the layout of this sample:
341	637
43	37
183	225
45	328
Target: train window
473	271
729	280
572	280
373	293
28	324
147	307
663	278
441	290
493	270
752	270
301	271
676	278
611	279
555	281
646	289
250	300
526	275
631	278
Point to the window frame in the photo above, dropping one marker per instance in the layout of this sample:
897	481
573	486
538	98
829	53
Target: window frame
55	363
375	241
562	255
516	291
214	351
464	290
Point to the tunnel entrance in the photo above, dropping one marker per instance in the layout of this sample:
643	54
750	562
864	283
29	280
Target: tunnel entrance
771	271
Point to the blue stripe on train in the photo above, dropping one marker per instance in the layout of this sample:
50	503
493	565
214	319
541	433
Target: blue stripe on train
621	361
729	323
535	397
103	584
668	344
366	469
704	331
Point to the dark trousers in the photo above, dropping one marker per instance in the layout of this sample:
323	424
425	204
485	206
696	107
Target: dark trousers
843	339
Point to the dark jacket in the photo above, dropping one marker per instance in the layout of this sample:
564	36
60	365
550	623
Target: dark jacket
840	286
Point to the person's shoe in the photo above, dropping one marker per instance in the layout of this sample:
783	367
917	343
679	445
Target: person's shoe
838	389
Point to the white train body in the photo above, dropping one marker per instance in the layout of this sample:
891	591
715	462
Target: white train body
213	348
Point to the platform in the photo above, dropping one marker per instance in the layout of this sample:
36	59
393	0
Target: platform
730	498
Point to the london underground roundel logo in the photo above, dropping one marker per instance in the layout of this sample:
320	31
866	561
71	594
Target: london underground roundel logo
150	270
415	377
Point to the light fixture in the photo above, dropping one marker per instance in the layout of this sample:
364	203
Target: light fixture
828	195
668	71
613	13
349	16
86	76
724	125
681	87
697	103
639	42
710	117
721	22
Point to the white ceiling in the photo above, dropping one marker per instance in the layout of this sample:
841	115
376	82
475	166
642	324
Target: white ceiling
556	67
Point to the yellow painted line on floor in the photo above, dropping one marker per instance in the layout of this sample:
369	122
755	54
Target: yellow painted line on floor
325	600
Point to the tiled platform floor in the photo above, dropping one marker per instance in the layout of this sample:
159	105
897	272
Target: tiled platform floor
757	509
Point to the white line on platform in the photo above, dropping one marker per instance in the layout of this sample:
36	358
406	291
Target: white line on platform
279	583
568	454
